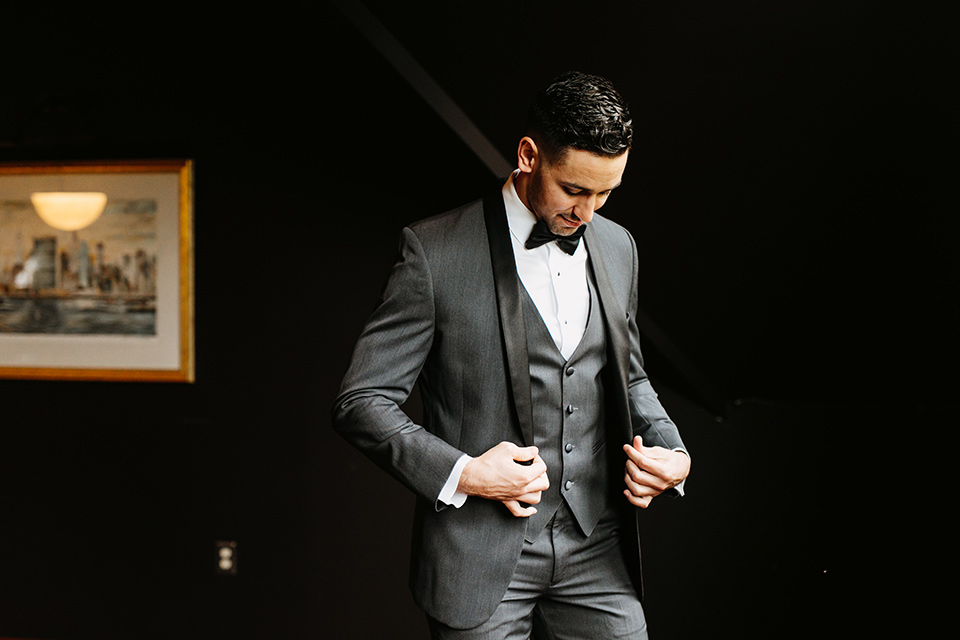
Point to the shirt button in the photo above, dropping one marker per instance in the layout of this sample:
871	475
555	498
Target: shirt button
568	448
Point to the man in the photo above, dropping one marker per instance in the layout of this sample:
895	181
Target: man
540	428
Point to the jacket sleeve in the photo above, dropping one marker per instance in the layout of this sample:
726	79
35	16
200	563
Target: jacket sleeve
649	418
386	362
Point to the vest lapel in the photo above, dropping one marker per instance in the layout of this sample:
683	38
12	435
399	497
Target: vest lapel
511	310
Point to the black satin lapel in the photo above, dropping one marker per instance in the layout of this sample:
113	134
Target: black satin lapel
614	319
511	310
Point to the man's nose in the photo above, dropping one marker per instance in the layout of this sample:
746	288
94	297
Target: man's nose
584	210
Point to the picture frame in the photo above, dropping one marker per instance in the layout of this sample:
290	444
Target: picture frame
112	301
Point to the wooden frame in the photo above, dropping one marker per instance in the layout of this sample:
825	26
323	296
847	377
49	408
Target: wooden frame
117	303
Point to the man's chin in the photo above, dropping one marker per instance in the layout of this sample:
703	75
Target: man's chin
564	229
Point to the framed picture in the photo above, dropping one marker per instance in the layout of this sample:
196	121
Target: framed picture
96	271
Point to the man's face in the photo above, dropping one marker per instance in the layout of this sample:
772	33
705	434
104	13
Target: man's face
566	193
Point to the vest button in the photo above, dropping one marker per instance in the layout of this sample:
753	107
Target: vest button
569	371
570	409
568	448
568	485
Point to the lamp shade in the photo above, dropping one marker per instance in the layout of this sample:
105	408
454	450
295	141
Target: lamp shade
69	211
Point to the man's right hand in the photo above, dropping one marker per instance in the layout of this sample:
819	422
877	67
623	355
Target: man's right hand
507	473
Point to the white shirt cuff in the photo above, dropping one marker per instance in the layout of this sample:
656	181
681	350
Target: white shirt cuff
679	487
449	494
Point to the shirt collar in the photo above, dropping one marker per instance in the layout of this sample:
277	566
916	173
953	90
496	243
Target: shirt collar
520	219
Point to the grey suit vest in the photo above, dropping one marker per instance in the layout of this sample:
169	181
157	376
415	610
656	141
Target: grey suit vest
568	419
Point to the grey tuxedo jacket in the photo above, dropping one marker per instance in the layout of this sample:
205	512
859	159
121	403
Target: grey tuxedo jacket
451	319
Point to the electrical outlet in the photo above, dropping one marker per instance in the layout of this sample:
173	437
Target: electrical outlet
226	557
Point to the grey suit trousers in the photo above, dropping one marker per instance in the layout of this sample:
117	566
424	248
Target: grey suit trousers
567	586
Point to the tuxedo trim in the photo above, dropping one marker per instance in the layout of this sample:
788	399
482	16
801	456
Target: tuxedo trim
615	321
510	305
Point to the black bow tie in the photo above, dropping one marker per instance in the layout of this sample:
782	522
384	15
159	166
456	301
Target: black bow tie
542	235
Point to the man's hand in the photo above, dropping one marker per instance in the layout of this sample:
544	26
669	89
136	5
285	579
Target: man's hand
507	473
652	470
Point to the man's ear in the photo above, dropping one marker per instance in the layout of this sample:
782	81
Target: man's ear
528	155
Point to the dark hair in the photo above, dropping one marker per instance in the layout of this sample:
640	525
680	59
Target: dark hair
580	111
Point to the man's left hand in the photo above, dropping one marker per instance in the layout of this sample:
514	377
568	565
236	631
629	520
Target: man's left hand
652	470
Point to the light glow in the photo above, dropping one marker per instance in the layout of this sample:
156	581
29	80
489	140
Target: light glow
69	211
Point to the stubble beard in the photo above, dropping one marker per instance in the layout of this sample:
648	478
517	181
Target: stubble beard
555	224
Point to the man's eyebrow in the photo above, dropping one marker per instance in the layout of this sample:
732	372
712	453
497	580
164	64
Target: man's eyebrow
573	185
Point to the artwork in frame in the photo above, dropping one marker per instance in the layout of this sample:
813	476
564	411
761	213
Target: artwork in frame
108	297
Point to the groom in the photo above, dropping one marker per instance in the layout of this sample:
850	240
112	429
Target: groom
541	433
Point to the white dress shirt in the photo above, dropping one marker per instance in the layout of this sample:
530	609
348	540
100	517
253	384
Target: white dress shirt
555	280
557	284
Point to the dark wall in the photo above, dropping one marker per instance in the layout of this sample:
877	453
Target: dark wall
790	244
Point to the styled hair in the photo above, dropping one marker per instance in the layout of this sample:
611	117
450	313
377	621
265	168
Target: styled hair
580	111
